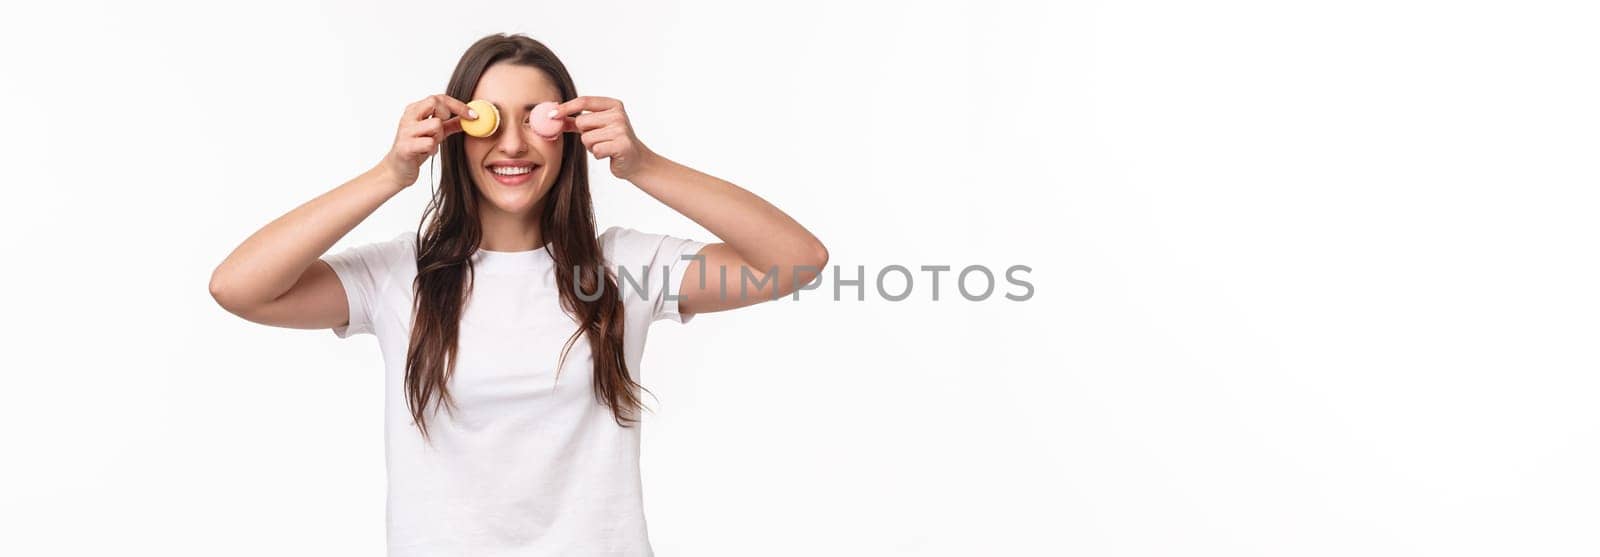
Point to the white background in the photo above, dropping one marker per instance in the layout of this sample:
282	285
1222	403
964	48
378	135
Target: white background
1312	278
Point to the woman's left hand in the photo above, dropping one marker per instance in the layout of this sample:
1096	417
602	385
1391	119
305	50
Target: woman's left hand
606	133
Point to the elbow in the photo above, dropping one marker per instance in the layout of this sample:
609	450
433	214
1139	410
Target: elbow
221	293
807	266
816	255
217	288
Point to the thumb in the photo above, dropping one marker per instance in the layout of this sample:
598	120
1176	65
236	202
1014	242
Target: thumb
569	124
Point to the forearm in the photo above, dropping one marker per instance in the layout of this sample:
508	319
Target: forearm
268	263
763	235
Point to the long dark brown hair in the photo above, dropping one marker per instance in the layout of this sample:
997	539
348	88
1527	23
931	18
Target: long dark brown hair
450	234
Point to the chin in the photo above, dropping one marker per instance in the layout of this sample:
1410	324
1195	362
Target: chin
513	202
516	205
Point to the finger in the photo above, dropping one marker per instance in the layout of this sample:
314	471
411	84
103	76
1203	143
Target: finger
433	129
604	149
593	137
444	107
454	107
451	127
433	125
573	125
589	103
440	112
594	120
429	127
570	125
439	129
420	147
418	111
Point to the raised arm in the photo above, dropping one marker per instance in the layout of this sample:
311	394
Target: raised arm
757	238
275	277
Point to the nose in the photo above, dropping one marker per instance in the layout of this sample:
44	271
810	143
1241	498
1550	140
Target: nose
512	142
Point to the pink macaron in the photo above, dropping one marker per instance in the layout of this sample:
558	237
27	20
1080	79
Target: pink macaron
541	121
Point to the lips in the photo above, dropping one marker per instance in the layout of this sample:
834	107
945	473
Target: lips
512	172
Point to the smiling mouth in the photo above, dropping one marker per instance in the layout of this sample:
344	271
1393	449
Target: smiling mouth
512	173
510	170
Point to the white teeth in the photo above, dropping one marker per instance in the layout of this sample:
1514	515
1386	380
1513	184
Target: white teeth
511	170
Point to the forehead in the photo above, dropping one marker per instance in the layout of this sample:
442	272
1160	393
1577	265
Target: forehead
514	85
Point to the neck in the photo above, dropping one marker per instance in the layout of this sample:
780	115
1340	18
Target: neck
508	232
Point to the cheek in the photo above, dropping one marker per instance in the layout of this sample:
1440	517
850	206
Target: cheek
476	149
551	147
550	151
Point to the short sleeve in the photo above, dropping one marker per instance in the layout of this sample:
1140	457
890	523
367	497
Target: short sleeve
364	271
631	253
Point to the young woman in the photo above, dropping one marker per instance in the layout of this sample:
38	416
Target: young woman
507	310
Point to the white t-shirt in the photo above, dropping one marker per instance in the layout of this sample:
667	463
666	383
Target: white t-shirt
531	464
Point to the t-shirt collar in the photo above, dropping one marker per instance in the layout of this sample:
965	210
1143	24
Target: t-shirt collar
512	261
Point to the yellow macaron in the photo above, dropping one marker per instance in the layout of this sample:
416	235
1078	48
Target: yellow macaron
487	122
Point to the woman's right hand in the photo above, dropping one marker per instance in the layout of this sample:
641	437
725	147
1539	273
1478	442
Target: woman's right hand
423	127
